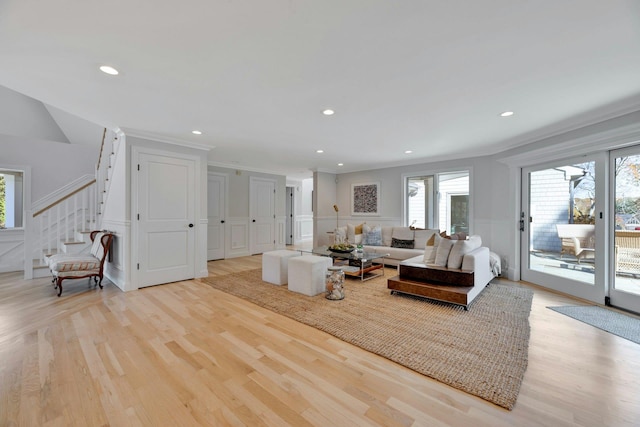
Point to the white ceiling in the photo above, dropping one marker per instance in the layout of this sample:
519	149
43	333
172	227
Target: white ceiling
254	76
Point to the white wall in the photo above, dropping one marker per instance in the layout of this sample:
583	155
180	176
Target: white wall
324	217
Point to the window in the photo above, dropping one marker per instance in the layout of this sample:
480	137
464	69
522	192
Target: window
439	200
11	199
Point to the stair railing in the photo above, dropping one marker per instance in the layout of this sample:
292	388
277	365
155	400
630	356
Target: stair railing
77	210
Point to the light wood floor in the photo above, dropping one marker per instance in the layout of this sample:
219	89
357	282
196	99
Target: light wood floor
184	354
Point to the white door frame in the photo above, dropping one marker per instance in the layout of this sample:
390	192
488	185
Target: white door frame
225	212
252	209
625	300
136	152
597	291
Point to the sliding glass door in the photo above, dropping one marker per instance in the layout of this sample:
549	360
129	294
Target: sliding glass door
625	229
560	226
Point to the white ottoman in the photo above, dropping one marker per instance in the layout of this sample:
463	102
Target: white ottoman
275	265
307	274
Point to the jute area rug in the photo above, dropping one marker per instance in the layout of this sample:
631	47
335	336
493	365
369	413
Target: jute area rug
482	351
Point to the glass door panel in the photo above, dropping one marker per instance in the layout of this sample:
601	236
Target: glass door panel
558	224
625	261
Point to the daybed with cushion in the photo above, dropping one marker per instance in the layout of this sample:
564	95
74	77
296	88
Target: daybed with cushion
399	242
454	271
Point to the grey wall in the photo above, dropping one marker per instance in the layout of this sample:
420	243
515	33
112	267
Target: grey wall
53	164
239	190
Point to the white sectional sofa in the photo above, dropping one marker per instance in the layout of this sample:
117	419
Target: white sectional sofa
400	243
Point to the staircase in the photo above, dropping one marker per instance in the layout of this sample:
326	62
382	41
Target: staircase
66	218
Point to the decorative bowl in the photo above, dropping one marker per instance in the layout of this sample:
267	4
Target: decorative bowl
342	251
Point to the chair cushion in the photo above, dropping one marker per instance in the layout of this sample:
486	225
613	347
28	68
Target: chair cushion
65	263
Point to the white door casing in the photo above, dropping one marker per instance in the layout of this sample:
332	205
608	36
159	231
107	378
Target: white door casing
216	214
164	217
262	213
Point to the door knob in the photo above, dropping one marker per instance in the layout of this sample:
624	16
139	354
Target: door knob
253	220
190	225
222	221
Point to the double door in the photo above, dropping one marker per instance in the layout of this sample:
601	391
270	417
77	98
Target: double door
580	227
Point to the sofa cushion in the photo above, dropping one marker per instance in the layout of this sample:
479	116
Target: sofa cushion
399	243
402	233
395	253
386	235
460	249
442	253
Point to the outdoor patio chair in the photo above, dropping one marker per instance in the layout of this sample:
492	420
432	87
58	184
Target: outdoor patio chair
577	240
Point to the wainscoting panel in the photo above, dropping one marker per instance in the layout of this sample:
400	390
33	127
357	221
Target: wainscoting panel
303	228
237	237
281	232
116	269
11	250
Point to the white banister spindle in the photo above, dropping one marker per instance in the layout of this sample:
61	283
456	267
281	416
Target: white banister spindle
41	242
58	221
75	215
83	217
65	230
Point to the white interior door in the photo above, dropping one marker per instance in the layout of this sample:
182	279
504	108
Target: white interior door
263	218
289	213
165	219
216	214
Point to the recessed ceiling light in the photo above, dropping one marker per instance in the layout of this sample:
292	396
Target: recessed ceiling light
328	112
109	70
506	114
319	151
408	152
196	132
340	164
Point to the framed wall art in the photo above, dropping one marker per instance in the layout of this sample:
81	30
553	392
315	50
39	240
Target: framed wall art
365	198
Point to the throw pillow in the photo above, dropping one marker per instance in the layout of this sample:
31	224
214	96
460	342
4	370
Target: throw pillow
429	254
354	233
96	247
402	244
460	249
374	236
442	253
421	237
